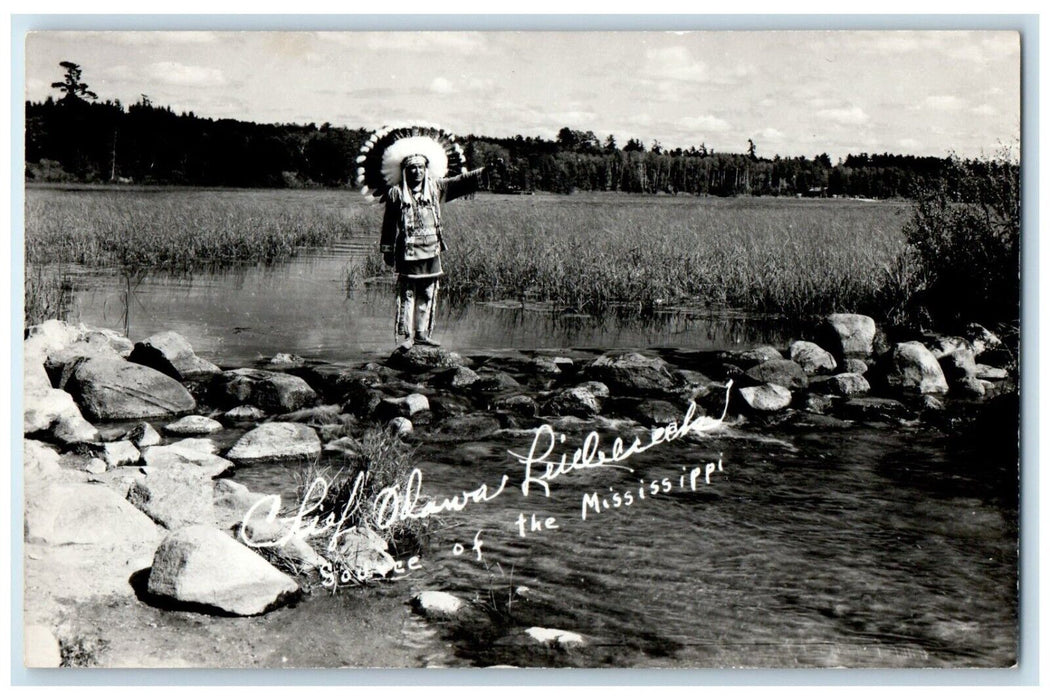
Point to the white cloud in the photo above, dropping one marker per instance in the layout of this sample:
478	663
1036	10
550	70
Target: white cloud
462	42
845	115
944	102
985	110
441	85
910	144
172	73
771	134
704	123
676	63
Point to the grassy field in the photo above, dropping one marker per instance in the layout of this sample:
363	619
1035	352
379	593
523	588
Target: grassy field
591	252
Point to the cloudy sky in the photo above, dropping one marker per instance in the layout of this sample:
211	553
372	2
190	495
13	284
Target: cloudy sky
792	92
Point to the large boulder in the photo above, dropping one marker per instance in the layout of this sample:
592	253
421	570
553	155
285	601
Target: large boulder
200	565
456	378
110	389
958	365
911	368
812	358
77	513
185	458
173	498
40	462
282	393
55	410
170	353
422	358
116	454
848	335
632	373
273	441
750	357
845	384
292	553
786	373
576	401
766	398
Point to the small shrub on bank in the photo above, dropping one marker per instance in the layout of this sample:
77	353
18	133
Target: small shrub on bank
384	461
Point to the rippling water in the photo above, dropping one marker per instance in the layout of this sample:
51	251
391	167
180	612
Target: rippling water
873	545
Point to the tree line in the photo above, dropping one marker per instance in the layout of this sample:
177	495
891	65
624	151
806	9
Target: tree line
80	139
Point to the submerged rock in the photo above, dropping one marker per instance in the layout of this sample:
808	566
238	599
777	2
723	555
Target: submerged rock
632	373
201	565
872	408
193	425
554	637
244	414
437	604
272	441
170	353
108	389
812	358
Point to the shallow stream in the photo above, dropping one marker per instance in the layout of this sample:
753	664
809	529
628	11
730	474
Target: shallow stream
814	545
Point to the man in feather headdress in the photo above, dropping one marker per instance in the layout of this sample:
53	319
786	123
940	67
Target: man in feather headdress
414	167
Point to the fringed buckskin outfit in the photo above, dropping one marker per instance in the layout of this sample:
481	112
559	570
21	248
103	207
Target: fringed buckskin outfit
412	239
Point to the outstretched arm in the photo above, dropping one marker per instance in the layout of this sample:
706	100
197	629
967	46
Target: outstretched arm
462	184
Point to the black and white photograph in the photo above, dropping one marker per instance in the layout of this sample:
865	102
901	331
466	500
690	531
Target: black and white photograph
610	349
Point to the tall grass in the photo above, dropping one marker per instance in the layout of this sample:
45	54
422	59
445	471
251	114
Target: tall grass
777	256
589	252
47	295
174	229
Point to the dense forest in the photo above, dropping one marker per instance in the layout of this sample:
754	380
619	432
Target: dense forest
78	138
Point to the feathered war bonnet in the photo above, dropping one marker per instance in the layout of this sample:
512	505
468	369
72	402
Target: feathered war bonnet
380	162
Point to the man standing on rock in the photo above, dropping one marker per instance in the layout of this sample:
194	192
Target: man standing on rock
406	168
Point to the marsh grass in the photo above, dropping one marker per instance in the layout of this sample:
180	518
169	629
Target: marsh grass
48	294
593	253
176	229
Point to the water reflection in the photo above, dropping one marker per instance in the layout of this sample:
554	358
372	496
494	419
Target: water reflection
237	314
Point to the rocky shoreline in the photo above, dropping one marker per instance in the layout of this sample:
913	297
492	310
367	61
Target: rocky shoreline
129	445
